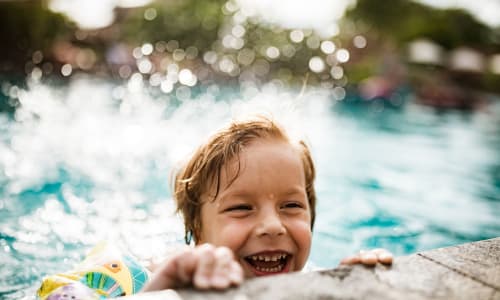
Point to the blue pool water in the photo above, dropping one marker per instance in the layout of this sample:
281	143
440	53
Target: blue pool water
92	161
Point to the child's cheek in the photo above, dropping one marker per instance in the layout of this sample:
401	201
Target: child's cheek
232	232
303	238
300	230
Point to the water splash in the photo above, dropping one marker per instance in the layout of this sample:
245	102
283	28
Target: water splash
92	161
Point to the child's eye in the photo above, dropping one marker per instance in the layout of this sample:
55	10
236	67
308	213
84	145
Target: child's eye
241	207
292	205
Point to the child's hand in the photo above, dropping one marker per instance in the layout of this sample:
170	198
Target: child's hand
369	258
203	267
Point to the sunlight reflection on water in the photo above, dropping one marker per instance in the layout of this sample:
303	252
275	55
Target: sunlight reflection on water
84	163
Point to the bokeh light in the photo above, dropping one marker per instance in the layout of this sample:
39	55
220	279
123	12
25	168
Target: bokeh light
495	64
343	55
150	14
66	70
328	47
272	52
337	72
98	105
359	41
296	36
316	64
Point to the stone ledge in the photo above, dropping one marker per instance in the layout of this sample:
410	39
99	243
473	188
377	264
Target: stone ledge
468	271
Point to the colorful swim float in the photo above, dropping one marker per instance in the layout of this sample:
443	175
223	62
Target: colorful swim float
105	273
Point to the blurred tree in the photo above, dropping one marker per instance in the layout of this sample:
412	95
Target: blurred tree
190	22
405	20
28	26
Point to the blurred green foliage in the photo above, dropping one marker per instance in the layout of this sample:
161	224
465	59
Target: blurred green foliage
190	22
28	26
393	24
403	21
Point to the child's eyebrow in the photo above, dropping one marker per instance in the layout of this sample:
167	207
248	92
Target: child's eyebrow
295	190
247	194
242	194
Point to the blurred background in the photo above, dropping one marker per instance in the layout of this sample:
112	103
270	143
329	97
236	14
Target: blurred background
101	99
373	47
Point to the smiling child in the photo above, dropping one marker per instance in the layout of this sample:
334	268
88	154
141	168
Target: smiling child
248	200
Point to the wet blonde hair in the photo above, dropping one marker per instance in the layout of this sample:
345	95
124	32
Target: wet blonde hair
202	171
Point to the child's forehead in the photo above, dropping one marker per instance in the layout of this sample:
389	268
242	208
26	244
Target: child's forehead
232	167
261	153
268	141
258	149
271	146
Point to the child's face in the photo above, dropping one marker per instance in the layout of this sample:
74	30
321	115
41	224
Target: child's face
264	215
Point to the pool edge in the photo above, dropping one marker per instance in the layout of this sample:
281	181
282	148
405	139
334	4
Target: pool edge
466	271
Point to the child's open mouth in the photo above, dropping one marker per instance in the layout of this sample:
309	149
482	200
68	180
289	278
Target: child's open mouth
269	263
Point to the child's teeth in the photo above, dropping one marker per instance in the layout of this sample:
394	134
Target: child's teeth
268	258
275	269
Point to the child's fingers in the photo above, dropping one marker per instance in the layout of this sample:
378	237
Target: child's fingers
351	260
205	266
174	272
385	257
236	273
216	268
368	258
222	269
186	265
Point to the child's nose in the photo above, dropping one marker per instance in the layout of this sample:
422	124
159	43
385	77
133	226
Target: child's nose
270	224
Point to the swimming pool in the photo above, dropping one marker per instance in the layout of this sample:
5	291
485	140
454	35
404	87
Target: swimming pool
92	161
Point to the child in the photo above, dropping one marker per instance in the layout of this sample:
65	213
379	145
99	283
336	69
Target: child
248	201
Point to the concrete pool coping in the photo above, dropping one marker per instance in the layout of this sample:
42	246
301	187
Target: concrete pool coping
467	271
